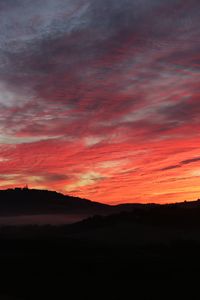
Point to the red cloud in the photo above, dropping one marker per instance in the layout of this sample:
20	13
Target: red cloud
104	105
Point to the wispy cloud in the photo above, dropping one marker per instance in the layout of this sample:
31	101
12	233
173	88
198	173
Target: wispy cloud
85	84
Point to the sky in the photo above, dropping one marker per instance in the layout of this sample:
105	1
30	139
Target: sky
101	98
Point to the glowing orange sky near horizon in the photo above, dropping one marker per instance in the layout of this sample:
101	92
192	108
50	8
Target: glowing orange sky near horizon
101	99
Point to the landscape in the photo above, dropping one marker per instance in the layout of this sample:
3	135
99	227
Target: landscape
128	243
99	149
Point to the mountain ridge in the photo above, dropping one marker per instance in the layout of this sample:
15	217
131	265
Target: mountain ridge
35	201
51	196
24	202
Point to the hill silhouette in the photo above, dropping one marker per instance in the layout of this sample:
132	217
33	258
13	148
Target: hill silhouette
34	201
34	206
24	206
50	207
143	225
129	224
138	244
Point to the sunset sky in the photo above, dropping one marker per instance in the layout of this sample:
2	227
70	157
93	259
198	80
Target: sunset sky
101	98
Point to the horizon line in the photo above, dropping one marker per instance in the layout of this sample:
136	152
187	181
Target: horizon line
26	187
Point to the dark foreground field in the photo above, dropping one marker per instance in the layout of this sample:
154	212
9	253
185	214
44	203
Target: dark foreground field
57	269
143	254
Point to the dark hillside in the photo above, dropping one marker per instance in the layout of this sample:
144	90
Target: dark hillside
145	247
30	201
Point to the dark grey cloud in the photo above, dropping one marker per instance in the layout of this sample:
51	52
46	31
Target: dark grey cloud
83	56
187	110
170	167
54	177
182	163
189	161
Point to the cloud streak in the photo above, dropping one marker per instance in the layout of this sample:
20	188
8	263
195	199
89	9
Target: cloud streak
182	163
